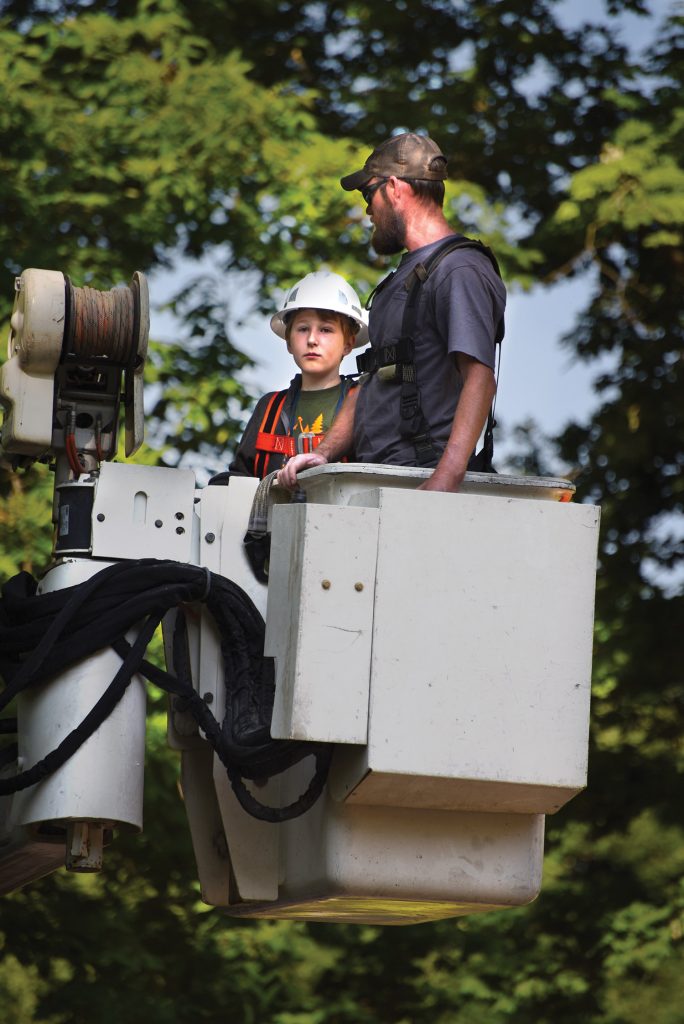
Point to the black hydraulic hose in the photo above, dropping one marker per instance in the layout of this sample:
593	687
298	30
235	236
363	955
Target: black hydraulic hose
95	717
8	755
41	635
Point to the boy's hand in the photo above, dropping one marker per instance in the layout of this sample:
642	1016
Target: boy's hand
287	477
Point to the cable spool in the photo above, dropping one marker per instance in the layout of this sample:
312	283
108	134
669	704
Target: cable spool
102	324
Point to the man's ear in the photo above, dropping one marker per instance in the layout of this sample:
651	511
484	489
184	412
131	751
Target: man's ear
349	345
393	184
397	190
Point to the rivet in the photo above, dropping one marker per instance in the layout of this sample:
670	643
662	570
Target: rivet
158	523
326	584
358	586
100	517
180	529
179	515
210	537
208	698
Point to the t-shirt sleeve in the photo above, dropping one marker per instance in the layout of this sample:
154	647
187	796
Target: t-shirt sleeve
468	308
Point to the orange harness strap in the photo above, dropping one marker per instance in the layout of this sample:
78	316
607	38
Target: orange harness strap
267	424
282	445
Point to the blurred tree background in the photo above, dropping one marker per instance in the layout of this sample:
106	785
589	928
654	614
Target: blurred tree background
139	132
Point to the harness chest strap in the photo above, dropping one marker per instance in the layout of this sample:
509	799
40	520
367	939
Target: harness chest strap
281	444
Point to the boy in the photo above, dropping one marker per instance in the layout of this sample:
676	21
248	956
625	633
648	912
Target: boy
321	321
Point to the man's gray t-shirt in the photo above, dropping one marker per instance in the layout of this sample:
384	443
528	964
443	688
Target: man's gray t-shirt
460	307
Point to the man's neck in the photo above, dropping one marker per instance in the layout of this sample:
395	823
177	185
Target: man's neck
426	227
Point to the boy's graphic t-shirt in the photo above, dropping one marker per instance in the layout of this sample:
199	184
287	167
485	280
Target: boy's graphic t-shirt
315	411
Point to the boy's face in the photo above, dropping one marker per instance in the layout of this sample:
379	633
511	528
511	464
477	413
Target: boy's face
318	346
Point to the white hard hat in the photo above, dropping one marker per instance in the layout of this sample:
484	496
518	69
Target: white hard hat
323	289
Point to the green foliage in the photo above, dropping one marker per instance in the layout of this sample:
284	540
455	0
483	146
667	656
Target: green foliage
128	142
129	138
20	990
25	504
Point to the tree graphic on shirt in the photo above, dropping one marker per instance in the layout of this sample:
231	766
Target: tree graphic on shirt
315	428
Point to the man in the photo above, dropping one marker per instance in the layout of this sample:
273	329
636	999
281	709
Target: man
429	408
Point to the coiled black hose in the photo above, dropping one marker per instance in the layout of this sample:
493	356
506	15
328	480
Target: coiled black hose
42	634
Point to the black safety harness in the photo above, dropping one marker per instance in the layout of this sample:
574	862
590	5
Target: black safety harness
395	363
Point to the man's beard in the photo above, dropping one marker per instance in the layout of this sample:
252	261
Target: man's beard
389	232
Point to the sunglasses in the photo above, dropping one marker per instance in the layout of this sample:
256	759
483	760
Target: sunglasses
368	191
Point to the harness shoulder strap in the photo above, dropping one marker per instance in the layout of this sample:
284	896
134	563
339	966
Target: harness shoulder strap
270	416
401	351
422	271
268	423
379	286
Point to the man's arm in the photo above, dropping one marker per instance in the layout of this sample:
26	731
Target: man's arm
479	387
337	443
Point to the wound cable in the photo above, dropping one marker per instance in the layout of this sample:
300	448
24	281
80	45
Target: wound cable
101	324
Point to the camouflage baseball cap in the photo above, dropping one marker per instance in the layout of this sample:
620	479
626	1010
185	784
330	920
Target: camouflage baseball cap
406	156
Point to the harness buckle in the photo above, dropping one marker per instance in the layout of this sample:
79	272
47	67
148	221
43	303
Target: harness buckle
425	451
388	373
306	442
366	362
409	404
